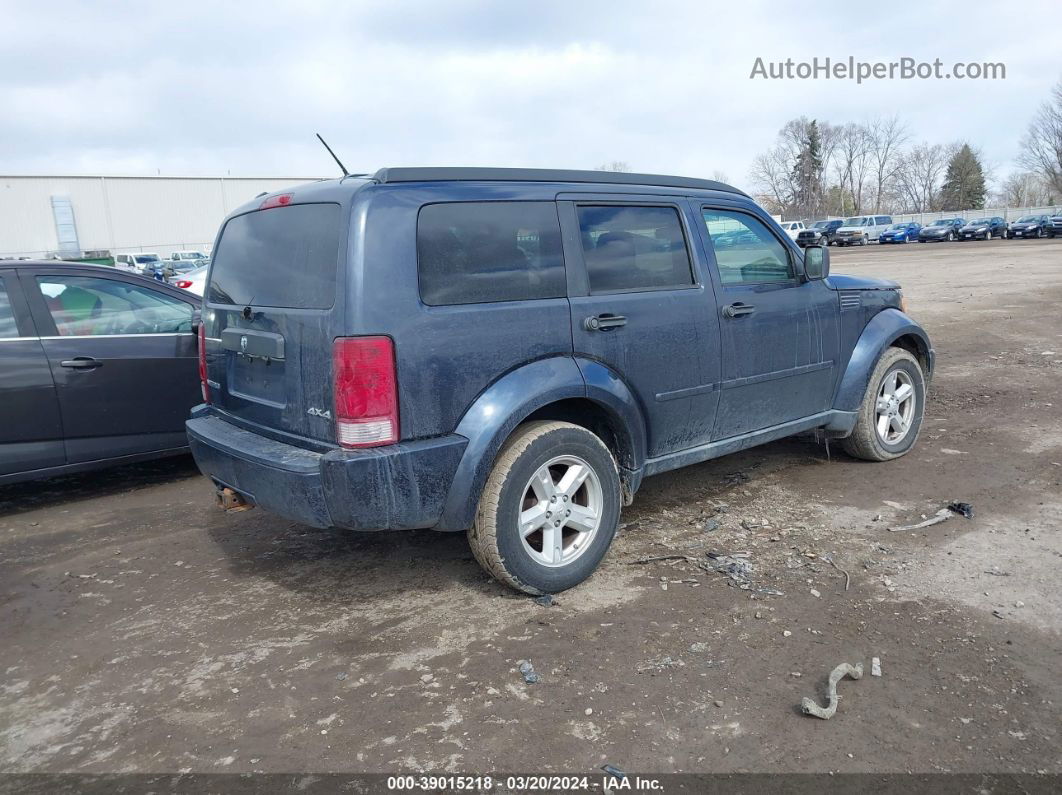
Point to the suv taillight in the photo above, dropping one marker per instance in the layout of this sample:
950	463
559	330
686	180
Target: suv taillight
365	391
202	363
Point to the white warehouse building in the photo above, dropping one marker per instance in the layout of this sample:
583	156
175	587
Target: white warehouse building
69	216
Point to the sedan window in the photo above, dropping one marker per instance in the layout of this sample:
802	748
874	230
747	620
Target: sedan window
88	306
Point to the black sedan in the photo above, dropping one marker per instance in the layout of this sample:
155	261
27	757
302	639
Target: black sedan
1028	226
97	367
984	229
942	229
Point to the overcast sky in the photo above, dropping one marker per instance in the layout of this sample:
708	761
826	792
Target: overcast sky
217	88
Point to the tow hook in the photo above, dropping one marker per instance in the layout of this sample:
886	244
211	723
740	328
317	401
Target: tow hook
232	501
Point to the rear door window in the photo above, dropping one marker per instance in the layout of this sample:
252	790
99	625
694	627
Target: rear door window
628	248
283	257
479	252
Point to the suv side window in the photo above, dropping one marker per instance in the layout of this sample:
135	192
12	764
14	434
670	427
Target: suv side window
88	306
628	248
477	252
745	250
8	328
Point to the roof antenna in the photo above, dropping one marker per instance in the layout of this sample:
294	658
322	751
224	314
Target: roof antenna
340	162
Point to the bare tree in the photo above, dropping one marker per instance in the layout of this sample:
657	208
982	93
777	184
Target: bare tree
1042	145
614	165
850	163
886	137
919	176
1024	189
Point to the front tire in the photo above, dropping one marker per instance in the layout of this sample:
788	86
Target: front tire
549	509
890	416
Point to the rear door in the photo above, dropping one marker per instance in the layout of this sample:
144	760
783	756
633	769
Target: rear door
123	356
31	433
779	333
639	306
269	319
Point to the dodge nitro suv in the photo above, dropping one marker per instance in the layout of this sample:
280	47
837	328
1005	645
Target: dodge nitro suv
510	352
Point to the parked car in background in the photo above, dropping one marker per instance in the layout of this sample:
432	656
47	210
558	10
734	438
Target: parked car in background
194	280
188	256
821	233
861	229
508	352
1054	226
1028	226
792	228
943	229
143	263
984	229
900	233
97	367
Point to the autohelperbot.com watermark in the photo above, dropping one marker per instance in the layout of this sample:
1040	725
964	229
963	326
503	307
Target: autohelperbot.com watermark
850	69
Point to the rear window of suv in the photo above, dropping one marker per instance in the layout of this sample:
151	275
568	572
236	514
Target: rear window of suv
478	252
283	257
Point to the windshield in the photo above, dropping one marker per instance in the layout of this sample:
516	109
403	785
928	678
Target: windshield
191	255
820	224
898	227
857	221
144	259
1028	219
980	222
942	222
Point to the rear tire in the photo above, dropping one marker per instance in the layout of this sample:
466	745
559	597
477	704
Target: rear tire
531	497
888	429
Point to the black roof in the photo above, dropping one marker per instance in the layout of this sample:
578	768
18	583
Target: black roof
459	174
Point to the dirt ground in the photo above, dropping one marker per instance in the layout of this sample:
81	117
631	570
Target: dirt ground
145	631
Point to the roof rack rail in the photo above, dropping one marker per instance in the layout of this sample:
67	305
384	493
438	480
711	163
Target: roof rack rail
472	174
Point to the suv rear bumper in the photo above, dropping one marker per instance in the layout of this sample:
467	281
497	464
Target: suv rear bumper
398	487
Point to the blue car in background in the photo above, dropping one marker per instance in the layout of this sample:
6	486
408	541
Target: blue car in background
900	233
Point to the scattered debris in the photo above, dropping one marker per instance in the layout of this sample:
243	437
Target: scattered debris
655	558
875	666
341	675
426	678
528	671
546	600
710	526
659	664
948	451
847	577
940	516
963	508
786	633
613	771
815	593
588	711
718	703
995	572
734	566
809	707
997	614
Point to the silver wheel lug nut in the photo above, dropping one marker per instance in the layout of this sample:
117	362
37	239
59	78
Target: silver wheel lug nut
557	523
567	513
553	498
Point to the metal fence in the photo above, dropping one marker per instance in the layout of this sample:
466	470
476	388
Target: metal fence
1006	213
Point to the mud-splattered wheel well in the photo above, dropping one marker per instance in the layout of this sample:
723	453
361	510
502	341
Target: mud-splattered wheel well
916	347
596	419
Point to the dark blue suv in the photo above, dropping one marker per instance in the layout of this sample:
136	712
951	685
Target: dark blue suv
509	352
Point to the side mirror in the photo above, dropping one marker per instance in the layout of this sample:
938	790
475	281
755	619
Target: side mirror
197	319
816	262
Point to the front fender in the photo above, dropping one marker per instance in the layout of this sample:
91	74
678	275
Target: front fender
490	420
884	328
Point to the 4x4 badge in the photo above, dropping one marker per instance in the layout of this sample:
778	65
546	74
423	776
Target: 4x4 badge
314	412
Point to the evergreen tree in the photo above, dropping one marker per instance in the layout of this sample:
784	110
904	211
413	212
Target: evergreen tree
807	171
964	183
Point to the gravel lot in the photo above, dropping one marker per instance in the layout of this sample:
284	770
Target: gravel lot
145	631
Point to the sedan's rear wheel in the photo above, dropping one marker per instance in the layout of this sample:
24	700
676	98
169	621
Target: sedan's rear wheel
549	509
